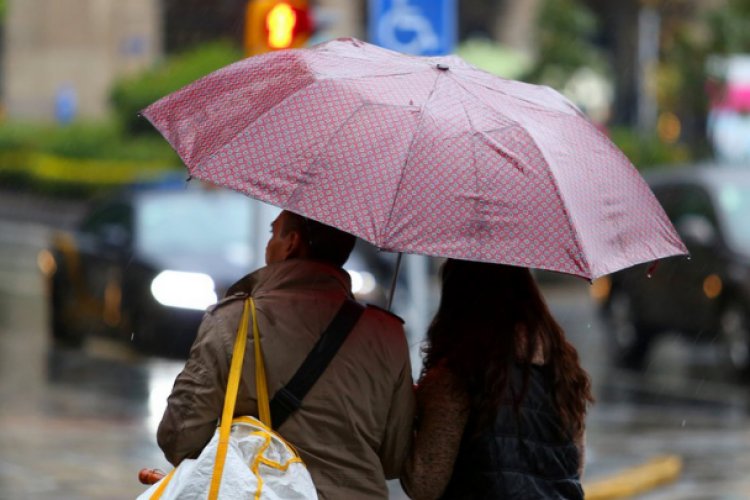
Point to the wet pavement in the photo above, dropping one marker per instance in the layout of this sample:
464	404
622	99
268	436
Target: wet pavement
73	424
81	423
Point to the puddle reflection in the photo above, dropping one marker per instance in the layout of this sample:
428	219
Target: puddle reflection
108	383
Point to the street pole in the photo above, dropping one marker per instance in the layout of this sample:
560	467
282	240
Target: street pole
344	18
649	31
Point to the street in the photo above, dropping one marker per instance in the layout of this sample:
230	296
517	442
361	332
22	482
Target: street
149	150
81	423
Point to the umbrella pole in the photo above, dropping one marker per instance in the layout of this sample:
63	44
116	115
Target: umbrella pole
395	278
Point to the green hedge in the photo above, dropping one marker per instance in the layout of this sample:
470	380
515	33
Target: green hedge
104	140
75	176
80	158
648	152
131	95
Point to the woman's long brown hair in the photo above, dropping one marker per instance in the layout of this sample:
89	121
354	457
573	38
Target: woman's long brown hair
490	317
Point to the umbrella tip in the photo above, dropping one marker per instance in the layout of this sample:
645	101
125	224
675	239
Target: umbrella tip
442	66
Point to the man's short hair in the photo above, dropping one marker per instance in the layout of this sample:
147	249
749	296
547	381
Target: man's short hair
324	243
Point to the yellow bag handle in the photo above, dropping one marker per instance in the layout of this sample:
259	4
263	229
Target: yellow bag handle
230	399
261	385
162	486
233	383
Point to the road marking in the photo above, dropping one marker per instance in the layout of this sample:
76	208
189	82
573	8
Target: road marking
656	472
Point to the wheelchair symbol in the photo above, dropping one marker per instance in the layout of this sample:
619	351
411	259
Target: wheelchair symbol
404	28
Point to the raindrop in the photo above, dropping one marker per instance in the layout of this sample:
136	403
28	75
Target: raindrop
132	336
588	326
689	257
649	275
683	423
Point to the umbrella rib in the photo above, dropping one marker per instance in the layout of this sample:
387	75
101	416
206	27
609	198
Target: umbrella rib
576	236
330	138
408	153
515	161
324	147
474	157
227	143
532	103
367	77
199	167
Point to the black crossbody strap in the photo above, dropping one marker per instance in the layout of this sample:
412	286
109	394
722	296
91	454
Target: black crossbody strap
289	398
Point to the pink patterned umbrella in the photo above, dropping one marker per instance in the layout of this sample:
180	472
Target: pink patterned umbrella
426	155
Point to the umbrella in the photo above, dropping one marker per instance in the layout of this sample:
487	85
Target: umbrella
426	155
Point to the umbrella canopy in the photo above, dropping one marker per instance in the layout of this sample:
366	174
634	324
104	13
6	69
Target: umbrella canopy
420	155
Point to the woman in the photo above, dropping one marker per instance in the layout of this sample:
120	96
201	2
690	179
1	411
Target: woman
502	397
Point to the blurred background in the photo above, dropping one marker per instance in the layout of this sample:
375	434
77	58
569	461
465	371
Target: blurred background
108	255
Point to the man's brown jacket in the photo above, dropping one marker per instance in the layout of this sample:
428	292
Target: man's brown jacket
355	425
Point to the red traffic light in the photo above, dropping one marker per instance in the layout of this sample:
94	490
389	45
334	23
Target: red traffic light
284	23
273	24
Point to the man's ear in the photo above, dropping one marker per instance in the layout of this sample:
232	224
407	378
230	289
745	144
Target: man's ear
294	246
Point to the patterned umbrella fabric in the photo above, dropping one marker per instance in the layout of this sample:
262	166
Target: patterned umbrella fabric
420	155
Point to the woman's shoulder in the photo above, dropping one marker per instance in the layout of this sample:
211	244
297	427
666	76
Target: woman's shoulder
440	382
439	374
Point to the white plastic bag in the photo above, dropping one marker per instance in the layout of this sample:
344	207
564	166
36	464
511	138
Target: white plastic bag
257	459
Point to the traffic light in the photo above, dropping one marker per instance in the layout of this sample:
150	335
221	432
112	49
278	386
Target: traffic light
276	24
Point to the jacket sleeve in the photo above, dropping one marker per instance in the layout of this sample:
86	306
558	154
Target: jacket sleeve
443	412
197	398
398	432
580	442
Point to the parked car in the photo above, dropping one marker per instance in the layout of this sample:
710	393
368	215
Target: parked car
705	297
144	265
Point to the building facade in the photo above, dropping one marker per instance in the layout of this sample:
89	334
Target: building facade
62	56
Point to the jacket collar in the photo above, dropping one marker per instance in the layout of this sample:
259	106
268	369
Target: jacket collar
294	273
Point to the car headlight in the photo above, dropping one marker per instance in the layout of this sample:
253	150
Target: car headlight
362	282
183	289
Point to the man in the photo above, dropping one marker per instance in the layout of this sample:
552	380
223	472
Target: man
354	427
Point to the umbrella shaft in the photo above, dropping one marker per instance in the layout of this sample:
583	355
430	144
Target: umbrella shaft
395	278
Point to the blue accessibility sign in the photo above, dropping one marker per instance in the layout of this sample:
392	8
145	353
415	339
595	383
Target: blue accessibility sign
418	27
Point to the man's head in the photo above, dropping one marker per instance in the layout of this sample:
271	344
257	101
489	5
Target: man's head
294	236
